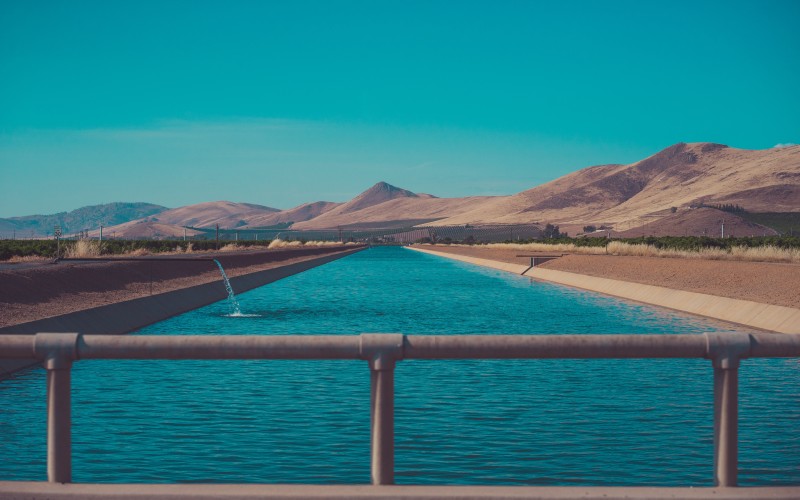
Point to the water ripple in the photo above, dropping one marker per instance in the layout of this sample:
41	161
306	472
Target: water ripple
536	422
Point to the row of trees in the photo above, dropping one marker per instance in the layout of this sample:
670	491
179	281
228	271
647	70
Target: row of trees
725	207
673	242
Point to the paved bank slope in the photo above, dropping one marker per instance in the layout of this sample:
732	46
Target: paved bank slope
744	312
130	315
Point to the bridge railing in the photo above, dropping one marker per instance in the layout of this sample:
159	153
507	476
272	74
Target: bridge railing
58	351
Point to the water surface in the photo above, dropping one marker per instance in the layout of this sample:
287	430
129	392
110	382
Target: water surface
536	422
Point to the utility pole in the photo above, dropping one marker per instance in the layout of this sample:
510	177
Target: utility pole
184	234
722	231
217	236
101	233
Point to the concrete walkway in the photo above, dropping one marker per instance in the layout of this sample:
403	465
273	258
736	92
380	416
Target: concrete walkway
743	312
36	491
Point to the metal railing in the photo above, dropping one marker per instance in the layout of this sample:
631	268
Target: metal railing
58	351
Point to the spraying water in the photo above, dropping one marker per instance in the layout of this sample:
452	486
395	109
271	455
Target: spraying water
235	309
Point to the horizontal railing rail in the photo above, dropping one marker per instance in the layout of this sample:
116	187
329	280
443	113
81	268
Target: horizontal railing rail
58	351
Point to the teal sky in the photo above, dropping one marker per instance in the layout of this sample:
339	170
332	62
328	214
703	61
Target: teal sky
279	103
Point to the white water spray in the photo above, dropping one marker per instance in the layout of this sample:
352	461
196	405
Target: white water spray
235	309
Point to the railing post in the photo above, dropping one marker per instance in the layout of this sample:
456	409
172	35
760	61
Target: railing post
726	425
58	350
382	351
382	421
725	351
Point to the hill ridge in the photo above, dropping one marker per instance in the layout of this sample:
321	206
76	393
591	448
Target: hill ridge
679	176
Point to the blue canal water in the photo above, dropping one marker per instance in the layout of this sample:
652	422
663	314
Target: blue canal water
535	422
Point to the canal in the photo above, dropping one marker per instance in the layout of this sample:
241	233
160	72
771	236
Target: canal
534	422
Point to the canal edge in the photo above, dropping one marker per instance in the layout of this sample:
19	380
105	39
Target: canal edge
748	313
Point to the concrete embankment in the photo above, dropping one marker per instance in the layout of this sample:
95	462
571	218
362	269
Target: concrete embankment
744	312
130	315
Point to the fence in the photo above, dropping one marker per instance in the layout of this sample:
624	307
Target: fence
58	351
403	233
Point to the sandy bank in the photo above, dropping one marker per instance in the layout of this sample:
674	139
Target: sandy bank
759	295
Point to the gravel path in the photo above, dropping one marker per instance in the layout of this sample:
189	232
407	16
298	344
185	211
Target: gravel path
764	282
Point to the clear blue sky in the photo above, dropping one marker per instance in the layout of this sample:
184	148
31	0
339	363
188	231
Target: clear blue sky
280	103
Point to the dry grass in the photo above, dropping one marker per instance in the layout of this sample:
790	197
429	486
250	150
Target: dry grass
19	259
326	243
283	244
757	254
83	249
290	244
230	247
544	247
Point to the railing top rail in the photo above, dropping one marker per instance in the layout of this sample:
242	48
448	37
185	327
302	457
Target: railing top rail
58	351
709	345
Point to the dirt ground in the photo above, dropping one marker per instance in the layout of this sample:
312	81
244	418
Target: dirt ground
33	292
764	282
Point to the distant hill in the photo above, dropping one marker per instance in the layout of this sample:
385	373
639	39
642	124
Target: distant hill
304	212
90	217
227	214
662	194
170	223
697	222
375	195
384	205
682	175
145	229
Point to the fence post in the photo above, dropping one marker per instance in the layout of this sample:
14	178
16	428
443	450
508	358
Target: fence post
725	351
726	425
382	351
58	350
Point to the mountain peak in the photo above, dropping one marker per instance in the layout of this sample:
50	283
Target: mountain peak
379	193
385	186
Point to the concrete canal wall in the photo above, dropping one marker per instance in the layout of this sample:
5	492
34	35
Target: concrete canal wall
744	312
131	315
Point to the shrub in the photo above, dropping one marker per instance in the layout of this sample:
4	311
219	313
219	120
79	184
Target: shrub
83	249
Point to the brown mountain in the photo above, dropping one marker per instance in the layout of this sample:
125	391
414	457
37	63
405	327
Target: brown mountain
386	205
377	194
225	213
77	220
627	197
301	213
693	222
171	222
679	176
145	229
